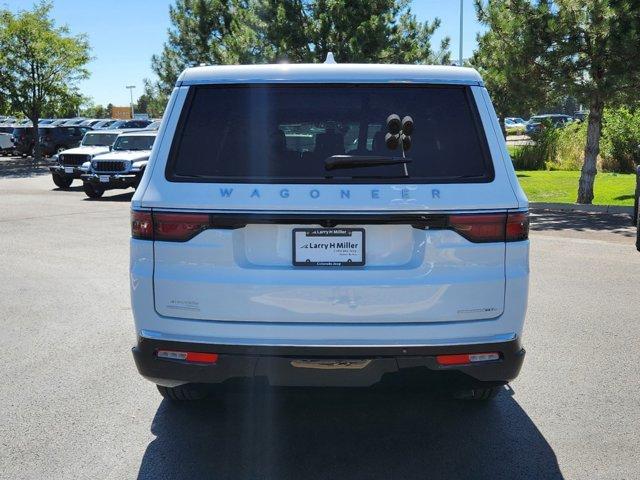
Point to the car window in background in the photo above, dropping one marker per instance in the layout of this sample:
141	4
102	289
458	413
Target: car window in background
98	139
134	143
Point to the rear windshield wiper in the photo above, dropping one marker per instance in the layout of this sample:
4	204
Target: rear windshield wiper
360	161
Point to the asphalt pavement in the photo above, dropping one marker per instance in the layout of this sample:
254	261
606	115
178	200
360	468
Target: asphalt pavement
73	406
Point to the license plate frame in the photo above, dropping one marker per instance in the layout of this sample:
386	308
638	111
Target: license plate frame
68	169
104	178
341	255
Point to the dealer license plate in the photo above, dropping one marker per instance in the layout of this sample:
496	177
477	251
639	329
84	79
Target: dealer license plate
328	247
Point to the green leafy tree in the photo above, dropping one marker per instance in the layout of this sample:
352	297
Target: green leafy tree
40	63
156	98
92	110
260	31
536	50
142	105
377	31
206	31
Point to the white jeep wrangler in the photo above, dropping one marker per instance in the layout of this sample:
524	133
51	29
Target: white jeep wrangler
122	166
72	163
329	224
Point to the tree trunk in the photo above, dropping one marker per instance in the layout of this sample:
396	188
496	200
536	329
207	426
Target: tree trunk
591	150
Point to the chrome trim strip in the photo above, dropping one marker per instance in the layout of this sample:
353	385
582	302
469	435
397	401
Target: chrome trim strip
153	335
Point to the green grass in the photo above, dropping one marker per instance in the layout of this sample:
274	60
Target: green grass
562	187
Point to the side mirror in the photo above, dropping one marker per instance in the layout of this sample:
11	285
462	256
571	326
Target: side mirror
110	147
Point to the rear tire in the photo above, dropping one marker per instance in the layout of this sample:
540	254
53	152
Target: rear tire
182	393
91	191
61	182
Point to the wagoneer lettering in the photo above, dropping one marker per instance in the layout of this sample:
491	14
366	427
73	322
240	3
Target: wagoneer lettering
287	229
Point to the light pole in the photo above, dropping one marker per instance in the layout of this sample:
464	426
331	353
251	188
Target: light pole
460	51
130	88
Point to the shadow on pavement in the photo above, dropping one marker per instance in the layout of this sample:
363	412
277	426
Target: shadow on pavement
121	197
17	167
346	434
74	188
618	223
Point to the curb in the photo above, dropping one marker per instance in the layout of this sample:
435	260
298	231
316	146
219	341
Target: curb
575	207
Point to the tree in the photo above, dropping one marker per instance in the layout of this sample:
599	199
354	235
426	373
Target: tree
94	111
205	31
380	31
535	50
142	105
40	64
260	31
156	98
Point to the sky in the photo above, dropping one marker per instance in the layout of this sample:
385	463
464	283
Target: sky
124	34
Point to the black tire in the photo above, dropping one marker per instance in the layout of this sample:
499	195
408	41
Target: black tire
482	394
182	393
61	181
92	191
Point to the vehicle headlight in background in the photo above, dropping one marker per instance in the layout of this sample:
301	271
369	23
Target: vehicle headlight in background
94	164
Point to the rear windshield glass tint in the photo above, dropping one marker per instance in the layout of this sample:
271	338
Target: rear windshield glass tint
284	133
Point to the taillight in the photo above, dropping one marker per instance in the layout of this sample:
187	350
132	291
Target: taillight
179	227
480	227
517	226
141	225
491	227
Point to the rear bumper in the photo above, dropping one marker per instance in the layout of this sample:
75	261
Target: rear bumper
328	366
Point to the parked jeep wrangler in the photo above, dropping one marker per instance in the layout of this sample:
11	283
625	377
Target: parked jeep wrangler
122	167
68	163
329	224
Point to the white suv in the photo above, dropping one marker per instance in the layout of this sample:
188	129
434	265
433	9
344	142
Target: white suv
72	163
121	167
329	224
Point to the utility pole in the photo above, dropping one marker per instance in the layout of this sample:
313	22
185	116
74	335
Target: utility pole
460	51
130	88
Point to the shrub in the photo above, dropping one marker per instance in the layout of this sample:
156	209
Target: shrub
569	150
620	143
563	148
536	155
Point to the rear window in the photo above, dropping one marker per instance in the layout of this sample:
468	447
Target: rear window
284	133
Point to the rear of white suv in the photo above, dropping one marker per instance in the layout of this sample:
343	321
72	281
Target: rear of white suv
279	236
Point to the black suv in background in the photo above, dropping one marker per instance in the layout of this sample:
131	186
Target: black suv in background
54	139
23	140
